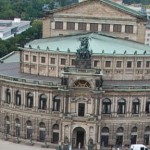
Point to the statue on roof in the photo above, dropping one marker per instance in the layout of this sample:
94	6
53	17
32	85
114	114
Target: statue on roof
83	52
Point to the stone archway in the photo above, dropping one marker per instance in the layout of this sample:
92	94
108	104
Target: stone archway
78	137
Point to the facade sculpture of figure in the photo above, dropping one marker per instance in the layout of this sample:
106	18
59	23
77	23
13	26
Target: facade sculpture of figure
90	144
66	143
83	52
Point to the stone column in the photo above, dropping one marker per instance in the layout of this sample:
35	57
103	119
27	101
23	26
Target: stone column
96	106
113	108
88	27
64	104
99	27
36	101
51	102
52	25
76	26
134	29
111	27
123	29
98	137
143	105
128	106
23	98
64	25
69	104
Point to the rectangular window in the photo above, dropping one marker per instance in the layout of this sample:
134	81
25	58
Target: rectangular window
107	63
81	26
63	61
129	64
118	64
106	27
42	59
81	109
52	60
70	25
139	64
58	25
93	27
147	64
117	28
73	62
26	57
128	29
34	58
95	63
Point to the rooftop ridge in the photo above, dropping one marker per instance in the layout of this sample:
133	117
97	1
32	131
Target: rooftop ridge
111	3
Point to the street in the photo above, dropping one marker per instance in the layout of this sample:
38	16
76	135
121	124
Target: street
6	145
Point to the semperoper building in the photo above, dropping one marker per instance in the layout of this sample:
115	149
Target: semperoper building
91	89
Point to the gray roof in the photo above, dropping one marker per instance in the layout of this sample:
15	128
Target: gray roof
11	57
10	71
98	43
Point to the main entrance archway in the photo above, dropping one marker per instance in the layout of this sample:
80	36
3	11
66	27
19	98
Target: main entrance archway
78	137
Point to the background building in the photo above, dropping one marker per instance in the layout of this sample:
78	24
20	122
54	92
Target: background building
96	15
9	28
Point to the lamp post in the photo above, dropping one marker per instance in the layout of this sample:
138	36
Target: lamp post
30	132
45	139
17	132
5	130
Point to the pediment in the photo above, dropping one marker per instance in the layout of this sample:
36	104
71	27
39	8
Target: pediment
95	9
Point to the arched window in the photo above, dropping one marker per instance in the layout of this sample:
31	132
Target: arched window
18	98
29	101
104	137
29	129
135	106
119	136
147	135
82	83
56	103
133	135
42	132
147	108
55	133
121	106
6	125
106	106
17	121
8	96
43	102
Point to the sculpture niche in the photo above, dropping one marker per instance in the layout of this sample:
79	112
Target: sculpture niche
83	55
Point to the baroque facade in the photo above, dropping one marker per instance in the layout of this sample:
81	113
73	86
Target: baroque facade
96	15
91	89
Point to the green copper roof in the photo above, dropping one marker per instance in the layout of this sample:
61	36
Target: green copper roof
108	2
123	7
98	43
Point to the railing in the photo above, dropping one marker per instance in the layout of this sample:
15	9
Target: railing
129	87
31	81
77	70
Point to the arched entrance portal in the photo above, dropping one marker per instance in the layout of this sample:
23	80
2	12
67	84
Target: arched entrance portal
78	137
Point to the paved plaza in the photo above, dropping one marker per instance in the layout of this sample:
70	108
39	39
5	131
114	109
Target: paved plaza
6	145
